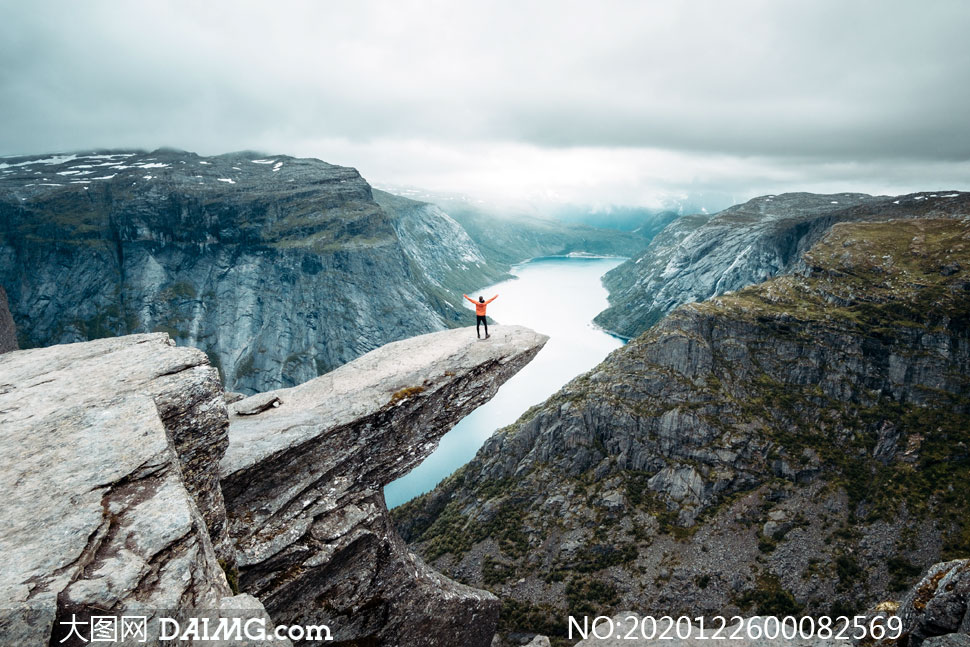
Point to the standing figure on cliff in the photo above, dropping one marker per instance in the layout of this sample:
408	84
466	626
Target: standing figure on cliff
480	306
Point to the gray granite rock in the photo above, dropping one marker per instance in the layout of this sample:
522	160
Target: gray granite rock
938	605
303	488
233	396
109	452
948	640
538	641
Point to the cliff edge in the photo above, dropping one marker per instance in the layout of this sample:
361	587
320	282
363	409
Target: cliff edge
134	490
110	451
303	480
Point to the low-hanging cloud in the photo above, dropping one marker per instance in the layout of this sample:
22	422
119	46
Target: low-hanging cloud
585	101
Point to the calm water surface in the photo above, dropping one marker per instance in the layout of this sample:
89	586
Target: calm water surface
555	296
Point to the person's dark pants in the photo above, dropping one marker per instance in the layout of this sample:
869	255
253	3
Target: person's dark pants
481	320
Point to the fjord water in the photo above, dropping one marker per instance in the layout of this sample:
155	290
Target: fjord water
557	296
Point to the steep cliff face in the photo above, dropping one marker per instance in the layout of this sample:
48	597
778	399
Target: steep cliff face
304	482
440	249
280	269
700	256
799	445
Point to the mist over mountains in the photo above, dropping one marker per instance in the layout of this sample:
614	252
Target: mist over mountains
792	402
213	363
280	269
624	217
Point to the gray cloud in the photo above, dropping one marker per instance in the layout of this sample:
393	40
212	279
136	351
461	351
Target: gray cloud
740	96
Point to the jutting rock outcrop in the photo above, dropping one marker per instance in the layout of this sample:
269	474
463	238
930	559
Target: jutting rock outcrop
798	446
303	482
120	463
700	256
113	503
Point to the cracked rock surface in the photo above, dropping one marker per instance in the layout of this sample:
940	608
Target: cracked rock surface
937	610
110	450
303	484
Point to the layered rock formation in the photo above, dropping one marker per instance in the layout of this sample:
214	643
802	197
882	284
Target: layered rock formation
280	269
304	477
700	256
114	506
122	461
796	446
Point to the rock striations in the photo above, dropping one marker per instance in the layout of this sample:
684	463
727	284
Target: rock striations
123	461
304	479
796	446
699	256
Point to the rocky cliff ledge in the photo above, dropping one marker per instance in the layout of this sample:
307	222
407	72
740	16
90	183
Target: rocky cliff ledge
936	612
115	498
303	480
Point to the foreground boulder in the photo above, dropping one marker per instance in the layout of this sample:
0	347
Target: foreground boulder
937	610
303	483
113	504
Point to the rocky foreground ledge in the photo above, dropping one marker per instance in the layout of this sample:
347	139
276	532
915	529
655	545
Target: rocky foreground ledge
121	464
304	475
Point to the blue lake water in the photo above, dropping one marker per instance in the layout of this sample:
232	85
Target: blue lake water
557	296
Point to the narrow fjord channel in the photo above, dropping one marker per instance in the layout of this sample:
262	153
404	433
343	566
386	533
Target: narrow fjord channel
557	296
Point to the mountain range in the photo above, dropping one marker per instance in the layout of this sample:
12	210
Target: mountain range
280	269
787	432
801	445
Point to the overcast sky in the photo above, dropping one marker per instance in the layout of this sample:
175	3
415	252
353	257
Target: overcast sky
598	102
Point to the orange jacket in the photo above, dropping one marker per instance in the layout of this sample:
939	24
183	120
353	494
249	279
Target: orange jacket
479	306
